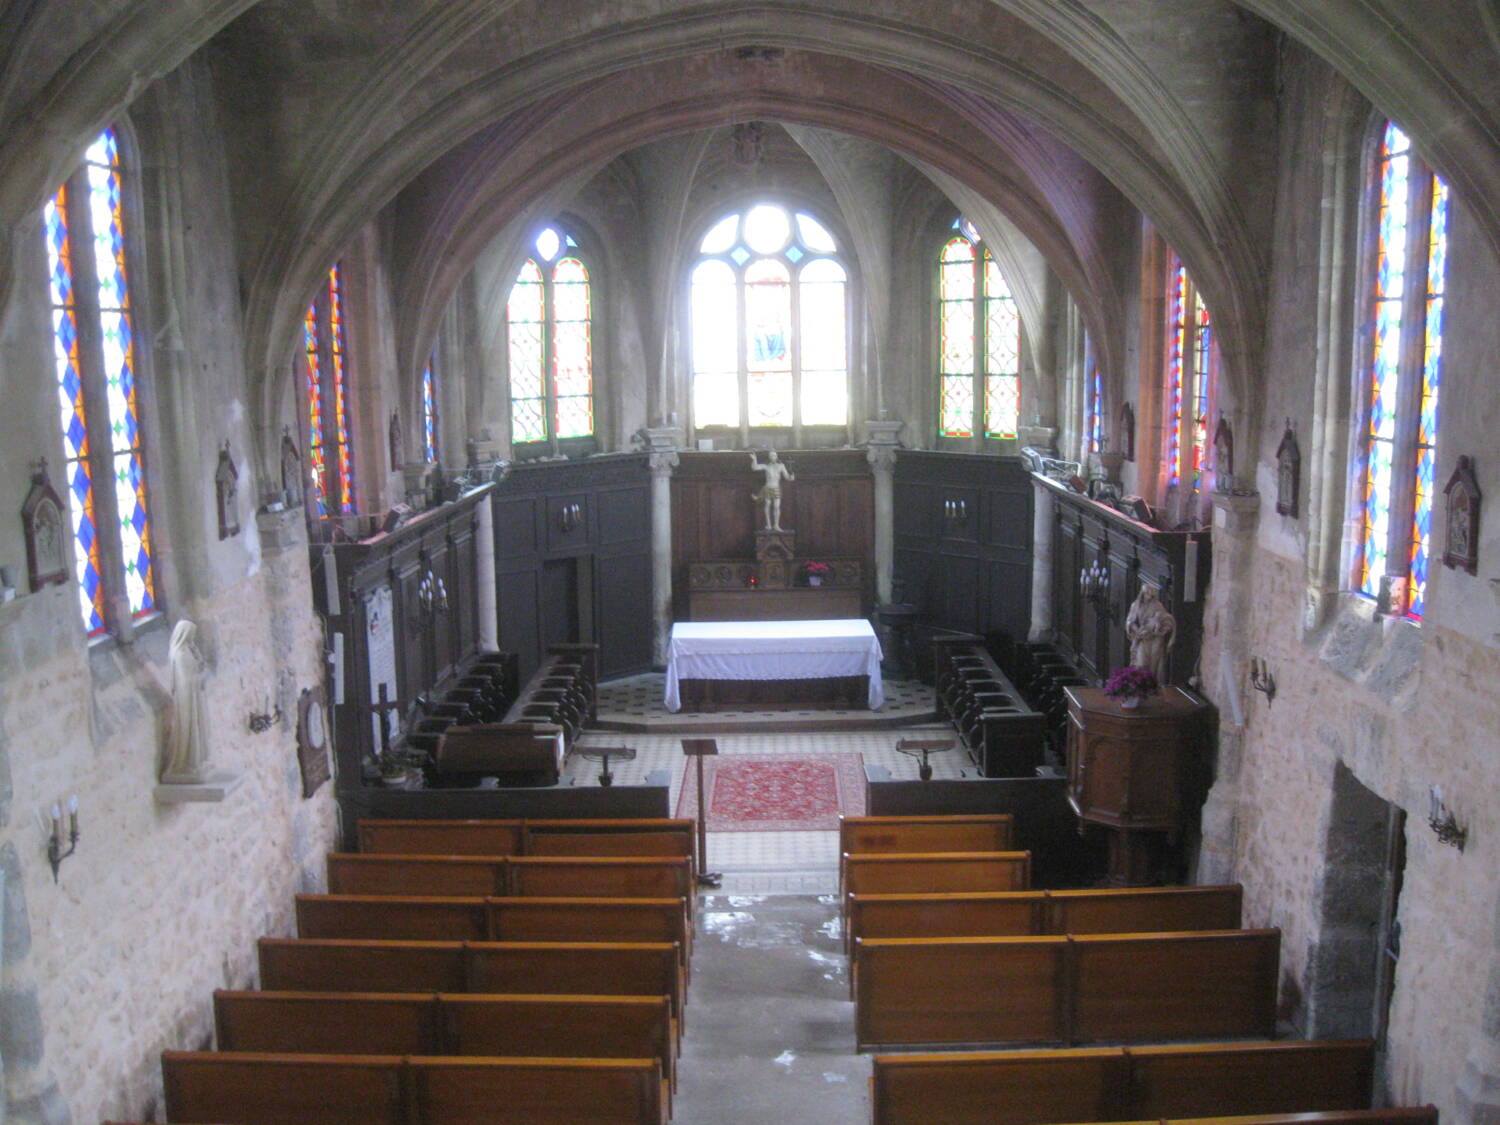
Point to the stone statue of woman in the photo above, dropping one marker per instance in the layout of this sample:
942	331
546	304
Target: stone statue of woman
187	738
1150	627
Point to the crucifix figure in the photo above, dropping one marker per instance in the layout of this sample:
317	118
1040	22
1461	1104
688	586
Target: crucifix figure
769	494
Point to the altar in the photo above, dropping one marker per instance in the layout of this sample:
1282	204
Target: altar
807	662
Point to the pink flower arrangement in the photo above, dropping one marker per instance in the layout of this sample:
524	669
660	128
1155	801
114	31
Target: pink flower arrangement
819	569
1130	682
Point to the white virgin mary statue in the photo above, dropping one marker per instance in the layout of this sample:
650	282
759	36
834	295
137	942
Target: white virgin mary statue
187	737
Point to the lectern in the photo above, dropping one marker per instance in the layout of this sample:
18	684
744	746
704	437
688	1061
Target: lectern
701	748
1130	771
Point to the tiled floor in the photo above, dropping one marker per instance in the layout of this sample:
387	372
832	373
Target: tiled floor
634	704
786	862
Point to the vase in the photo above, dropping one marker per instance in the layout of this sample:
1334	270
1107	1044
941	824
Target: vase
815	580
1129	702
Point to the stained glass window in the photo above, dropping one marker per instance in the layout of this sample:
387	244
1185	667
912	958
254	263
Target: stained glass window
1405	319
99	409
330	454
768	303
549	318
429	414
979	343
1094	391
1189	389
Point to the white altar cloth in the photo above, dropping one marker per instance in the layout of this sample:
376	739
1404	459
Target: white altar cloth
772	650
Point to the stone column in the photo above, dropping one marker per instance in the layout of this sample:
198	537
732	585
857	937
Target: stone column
1044	513
881	443
484	574
1226	643
664	441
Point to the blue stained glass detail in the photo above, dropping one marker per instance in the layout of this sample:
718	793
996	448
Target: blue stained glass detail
740	254
793	254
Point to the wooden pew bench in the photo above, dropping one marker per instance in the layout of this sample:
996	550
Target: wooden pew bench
1121	1083
394	1023
1019	913
564	968
285	1089
913	872
418	918
354	873
1068	989
665	836
441	837
885	835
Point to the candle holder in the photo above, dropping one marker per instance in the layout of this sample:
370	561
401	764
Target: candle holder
1093	580
1443	823
55	853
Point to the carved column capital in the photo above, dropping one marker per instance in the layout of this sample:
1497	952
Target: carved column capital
662	445
882	439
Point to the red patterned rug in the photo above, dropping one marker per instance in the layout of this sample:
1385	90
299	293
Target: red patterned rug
780	792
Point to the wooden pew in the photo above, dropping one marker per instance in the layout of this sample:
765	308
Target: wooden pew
1120	987
352	873
912	872
1121	1083
1017	913
441	837
665	836
394	1023
885	835
417	918
284	1089
566	968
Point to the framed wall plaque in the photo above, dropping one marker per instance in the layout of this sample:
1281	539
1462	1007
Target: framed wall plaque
312	739
1461	550
47	531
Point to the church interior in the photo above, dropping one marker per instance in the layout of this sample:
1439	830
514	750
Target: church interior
375	370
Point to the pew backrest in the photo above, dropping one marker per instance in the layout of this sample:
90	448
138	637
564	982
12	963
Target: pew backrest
1121	1083
885	834
441	837
483	876
936	871
1066	989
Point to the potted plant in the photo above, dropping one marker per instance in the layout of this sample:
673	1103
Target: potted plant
816	572
1130	685
401	767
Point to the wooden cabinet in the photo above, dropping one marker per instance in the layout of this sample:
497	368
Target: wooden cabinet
573	560
1134	772
963	525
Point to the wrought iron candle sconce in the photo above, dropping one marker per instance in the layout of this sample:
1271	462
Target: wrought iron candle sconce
1443	823
55	853
1262	679
1093	581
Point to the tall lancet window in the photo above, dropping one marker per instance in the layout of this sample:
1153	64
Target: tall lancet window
429	414
98	371
1093	392
979	342
1192	362
330	454
769	322
1401	372
549	319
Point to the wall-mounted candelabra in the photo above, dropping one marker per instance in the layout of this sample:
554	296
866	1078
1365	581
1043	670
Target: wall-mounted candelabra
1441	820
1093	581
1261	678
55	853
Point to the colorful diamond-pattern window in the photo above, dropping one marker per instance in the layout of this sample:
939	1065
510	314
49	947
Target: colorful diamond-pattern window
330	454
429	414
1400	427
1094	419
979	343
1177	350
97	385
769	325
549	321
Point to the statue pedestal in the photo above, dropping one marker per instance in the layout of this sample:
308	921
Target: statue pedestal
775	546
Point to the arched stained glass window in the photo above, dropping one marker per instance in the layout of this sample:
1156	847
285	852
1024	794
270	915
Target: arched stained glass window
1093	422
768	305
429	414
1401	373
330	455
549	318
98	371
979	344
1191	360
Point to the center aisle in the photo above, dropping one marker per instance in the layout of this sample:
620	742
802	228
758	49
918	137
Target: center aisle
770	1027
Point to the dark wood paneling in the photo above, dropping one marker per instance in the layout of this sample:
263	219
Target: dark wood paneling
519	518
517	603
963	540
623	514
830	506
623	580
